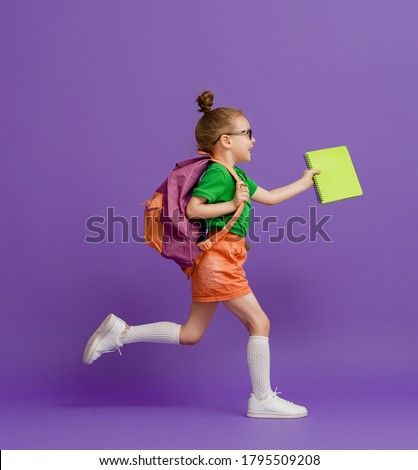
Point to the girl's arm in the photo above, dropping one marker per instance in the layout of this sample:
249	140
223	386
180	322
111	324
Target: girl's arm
275	196
197	207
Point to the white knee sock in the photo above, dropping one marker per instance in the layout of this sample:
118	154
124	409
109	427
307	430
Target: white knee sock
258	356
160	332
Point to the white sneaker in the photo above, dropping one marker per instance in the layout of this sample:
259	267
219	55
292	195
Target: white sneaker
274	407
105	339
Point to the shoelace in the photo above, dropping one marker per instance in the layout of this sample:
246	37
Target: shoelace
112	350
275	393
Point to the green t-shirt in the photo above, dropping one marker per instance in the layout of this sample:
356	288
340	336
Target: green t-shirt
218	185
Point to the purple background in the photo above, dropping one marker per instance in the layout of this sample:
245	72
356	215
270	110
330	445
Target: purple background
97	105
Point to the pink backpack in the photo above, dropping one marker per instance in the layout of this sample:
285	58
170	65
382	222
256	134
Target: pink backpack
166	226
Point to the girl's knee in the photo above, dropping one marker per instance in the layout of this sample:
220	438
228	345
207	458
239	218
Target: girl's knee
260	326
188	338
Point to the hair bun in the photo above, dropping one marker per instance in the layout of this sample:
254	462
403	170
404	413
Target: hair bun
205	101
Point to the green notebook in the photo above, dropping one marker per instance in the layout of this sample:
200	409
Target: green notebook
338	179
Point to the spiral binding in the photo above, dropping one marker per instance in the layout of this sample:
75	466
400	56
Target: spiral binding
316	187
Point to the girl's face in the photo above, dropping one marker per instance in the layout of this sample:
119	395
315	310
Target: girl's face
241	143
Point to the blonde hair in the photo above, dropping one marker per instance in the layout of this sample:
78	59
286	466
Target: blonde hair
214	122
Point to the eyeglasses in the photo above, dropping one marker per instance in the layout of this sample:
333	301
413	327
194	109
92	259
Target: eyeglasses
249	132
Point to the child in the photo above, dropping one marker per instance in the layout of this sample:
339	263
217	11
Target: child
224	133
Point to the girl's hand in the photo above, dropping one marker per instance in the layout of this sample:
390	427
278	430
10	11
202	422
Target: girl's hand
241	193
307	177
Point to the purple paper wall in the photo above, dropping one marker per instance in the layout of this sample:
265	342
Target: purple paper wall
97	105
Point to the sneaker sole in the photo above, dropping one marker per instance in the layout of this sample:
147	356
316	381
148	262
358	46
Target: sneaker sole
97	336
267	414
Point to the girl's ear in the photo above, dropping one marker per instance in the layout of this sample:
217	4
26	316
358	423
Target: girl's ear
225	140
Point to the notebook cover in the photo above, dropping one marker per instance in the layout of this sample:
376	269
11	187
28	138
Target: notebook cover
338	179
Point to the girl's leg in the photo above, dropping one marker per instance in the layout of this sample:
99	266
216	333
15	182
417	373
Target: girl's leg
263	402
249	311
113	332
190	333
200	315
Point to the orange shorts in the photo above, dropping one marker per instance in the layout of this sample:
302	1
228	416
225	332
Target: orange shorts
219	275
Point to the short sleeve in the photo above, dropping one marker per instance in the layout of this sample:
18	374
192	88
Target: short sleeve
251	184
212	184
